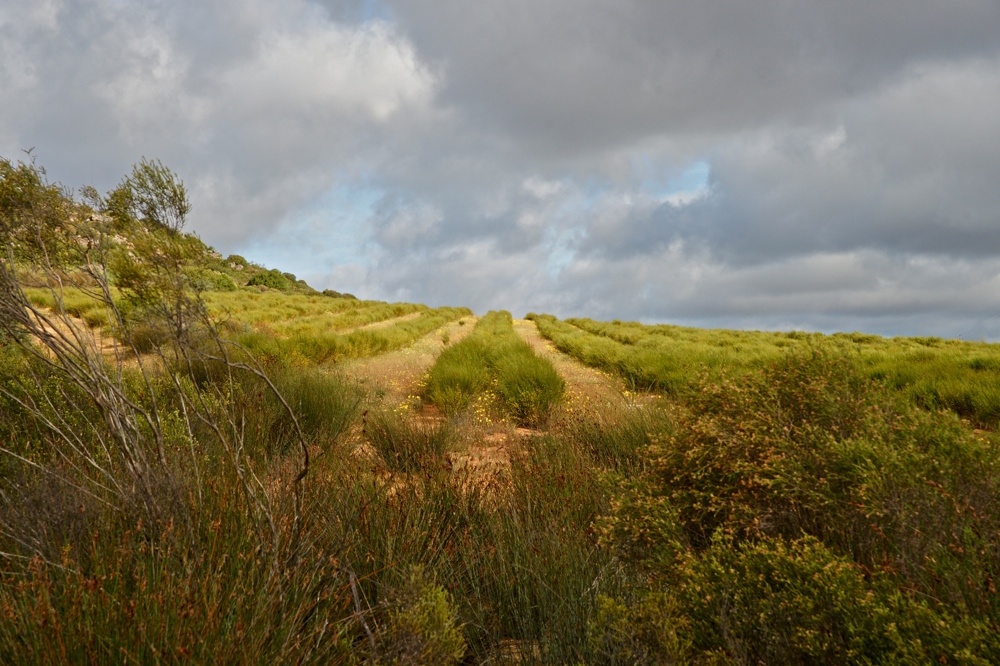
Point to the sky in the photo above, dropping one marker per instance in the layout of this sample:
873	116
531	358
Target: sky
776	164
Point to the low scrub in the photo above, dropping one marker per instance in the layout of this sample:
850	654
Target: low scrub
804	513
931	372
272	279
405	444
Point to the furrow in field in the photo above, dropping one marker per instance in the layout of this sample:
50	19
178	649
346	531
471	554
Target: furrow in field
585	385
397	376
386	323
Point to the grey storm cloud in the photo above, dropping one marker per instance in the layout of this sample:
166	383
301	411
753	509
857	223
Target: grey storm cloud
601	73
533	155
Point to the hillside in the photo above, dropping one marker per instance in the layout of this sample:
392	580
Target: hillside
205	460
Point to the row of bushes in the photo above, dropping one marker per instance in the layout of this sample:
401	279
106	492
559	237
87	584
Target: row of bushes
493	358
366	312
317	348
641	368
933	373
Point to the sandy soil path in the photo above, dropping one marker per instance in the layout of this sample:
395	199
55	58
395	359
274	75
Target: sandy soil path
385	323
586	387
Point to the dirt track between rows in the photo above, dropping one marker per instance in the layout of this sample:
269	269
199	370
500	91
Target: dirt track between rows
585	386
396	380
397	377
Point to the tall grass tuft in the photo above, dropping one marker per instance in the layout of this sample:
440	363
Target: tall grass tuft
527	385
405	444
617	436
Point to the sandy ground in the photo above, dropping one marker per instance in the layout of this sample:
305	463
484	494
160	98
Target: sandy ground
385	323
586	387
397	377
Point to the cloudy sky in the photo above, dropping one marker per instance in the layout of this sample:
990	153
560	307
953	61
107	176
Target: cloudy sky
772	164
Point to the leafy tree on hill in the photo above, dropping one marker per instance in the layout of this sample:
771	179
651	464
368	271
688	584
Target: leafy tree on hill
151	194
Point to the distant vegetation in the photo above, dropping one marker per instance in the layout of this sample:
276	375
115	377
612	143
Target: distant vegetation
324	346
934	373
185	475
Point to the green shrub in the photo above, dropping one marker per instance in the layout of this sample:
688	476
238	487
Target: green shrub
204	279
336	294
423	627
272	279
652	630
494	358
796	602
460	372
527	385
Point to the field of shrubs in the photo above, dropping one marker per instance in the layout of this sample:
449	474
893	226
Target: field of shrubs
963	377
187	475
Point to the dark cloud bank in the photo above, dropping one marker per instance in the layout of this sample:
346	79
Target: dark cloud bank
538	155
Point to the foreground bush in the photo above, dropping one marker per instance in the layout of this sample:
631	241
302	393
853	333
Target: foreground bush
803	513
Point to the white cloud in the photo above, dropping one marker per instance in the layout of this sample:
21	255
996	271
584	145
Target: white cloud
326	72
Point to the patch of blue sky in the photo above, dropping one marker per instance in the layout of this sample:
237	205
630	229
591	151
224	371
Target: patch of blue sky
693	179
331	231
373	10
569	225
655	180
672	183
560	256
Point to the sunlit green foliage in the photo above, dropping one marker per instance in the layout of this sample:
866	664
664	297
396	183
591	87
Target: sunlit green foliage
934	373
332	347
494	358
423	626
153	195
272	279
